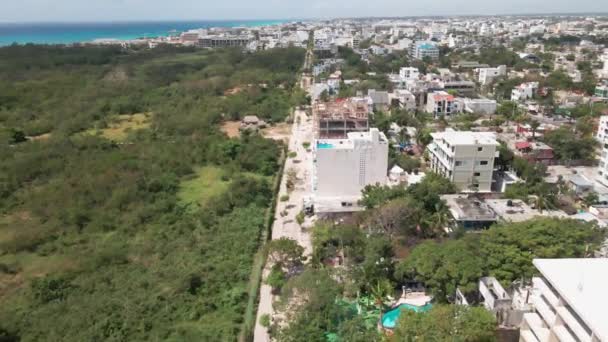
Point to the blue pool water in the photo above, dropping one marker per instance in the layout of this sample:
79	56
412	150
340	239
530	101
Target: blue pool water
66	33
325	145
389	319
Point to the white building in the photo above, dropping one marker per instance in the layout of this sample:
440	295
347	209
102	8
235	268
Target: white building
480	106
486	75
602	136
465	158
440	103
524	91
570	301
422	49
343	167
406	99
409	73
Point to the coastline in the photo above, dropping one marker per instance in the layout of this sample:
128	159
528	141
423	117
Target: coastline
73	33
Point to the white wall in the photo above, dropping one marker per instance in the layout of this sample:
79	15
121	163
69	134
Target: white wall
345	171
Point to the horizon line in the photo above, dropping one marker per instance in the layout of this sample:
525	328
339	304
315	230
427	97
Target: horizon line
109	21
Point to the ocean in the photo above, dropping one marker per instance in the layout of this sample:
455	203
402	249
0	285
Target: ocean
66	33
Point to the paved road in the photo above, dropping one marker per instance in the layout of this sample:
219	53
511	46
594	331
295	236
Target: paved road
287	226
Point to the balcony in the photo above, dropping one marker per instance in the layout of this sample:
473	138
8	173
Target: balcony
536	326
540	284
543	309
563	334
574	325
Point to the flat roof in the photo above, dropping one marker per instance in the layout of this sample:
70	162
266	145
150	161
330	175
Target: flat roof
467	137
582	283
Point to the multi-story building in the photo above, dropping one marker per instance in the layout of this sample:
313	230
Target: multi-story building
335	119
602	137
601	91
421	49
524	91
440	103
569	299
465	158
480	106
343	167
222	41
409	73
486	75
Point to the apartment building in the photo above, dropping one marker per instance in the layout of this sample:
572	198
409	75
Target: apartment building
524	91
486	75
343	167
422	49
222	41
480	106
465	158
602	137
440	103
409	73
601	91
569	299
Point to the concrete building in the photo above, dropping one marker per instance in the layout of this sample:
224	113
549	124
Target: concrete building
337	118
222	41
465	158
440	103
486	75
515	210
462	88
405	99
480	106
469	212
422	49
409	73
343	167
569	299
524	91
601	91
602	136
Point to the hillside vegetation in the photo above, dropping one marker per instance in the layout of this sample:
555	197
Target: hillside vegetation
108	230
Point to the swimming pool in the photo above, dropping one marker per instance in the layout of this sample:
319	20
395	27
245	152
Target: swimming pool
390	318
324	145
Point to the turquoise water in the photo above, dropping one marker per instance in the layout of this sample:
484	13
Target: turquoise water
324	145
66	33
389	319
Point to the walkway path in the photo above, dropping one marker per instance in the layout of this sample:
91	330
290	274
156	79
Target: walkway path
287	226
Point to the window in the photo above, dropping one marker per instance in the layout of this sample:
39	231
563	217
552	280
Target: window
483	162
479	149
458	163
477	174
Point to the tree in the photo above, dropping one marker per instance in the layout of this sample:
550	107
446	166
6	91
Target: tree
508	249
324	96
375	195
443	267
285	253
534	125
447	323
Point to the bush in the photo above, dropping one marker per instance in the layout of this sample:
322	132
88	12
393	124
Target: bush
284	198
265	320
292	154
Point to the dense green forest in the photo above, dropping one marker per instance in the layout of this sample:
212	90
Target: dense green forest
97	239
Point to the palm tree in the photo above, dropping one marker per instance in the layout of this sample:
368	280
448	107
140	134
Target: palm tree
534	125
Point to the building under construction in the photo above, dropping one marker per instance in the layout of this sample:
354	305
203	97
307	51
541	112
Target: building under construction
335	119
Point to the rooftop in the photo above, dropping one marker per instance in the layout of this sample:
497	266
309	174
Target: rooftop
466	137
352	108
514	210
582	283
464	208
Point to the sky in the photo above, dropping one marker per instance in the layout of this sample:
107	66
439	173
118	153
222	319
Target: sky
120	10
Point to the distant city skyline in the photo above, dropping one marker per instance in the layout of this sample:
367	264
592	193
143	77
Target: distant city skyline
140	10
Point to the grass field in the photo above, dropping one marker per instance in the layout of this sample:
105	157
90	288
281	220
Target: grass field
205	185
119	129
